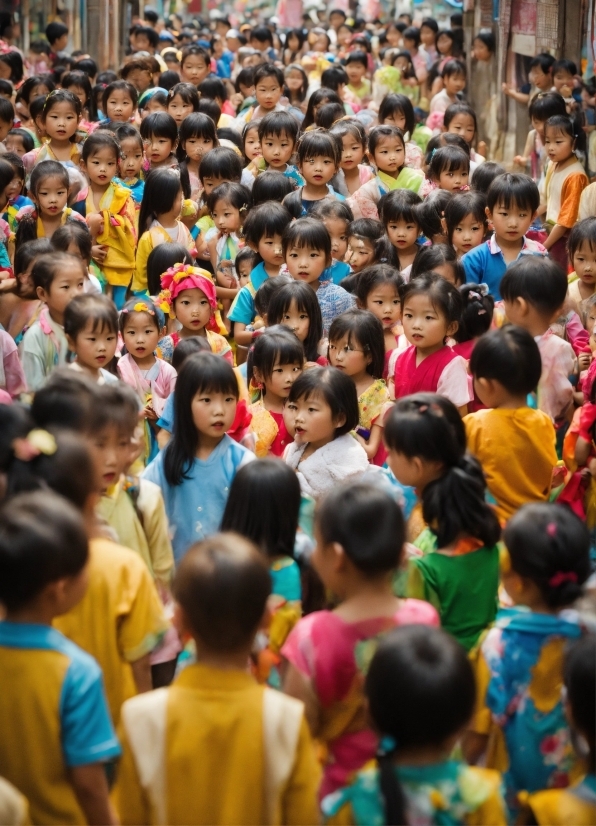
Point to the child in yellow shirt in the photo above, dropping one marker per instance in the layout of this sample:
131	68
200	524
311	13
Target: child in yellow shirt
186	747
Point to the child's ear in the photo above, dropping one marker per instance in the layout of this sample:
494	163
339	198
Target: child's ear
340	420
452	328
41	294
488	213
254	247
71	343
444	226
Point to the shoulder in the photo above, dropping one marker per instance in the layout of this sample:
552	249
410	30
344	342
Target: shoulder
479	253
416	611
534	247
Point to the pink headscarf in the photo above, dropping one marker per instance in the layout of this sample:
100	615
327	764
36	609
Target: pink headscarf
184	277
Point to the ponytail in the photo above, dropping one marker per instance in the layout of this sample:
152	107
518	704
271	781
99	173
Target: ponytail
391	788
26	229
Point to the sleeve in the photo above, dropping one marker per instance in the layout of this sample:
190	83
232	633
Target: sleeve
86	727
454	384
139	279
300	800
579	338
129	796
13	370
242	309
472	263
166	420
33	360
142	622
363	202
155	524
154	470
4	258
571	192
587	203
298	649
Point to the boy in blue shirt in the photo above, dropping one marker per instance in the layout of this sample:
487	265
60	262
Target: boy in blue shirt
56	728
512	202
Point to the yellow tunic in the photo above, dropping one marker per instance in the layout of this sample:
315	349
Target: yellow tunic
119	620
216	748
561	807
147	242
119	233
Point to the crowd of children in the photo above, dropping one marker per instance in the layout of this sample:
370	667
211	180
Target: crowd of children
297	432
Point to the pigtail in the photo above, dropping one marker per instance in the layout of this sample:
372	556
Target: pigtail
391	788
26	227
386	253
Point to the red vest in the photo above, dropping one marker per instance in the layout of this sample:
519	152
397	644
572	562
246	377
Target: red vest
424	378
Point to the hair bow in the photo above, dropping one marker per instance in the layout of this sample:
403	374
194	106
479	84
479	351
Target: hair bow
562	576
35	442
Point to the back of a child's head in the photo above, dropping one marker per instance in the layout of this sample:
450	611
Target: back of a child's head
67	399
367	523
42	540
222	585
426	425
271	186
550	546
222	163
513	190
432	676
431	211
335	389
484	174
264	295
539	281
580	683
545	106
187	347
27	253
117	408
477	314
363	331
509	356
160	259
73	232
97	309
265	221
263	506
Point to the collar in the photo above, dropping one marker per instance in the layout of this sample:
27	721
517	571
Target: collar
29	635
258	275
495	248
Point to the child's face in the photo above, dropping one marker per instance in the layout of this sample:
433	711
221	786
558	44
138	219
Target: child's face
402	63
563	82
282	378
152	105
209	183
14	143
38	90
94	348
131	158
277	150
348	356
355	73
542	80
101	167
68	283
61	121
51	196
344	35
271	251
539	125
196	147
454	180
424	326
383	301
318	170
193	310
454	83
158	149
5	127
119	105
390	155
24	116
463	125
584	263
15	187
297	320
338	232
311	421
480	51
79	92
360	254
179	109
243	269
444	44
268	92
468	233
141	79
306	264
140	335
510	224
447	272
226	217
194	69
252	144
294	80
427	36
396	118
402	234
352	152
558	144
110	450
213	413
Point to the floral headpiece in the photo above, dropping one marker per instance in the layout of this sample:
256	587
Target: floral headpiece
36	442
184	277
141	307
26	213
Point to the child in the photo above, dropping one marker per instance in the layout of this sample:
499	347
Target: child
43	562
533	291
228	205
244	264
352	172
449	169
16	199
386	148
75	239
60	118
19	141
183	99
250	141
415	778
19	310
57	278
565	181
519	713
398	214
511	205
319	156
196	468
476	320
263	231
459	569
119	101
189	295
307	251
268	83
159	221
321	410
397	110
295	305
506	367
48	190
542	107
581	249
194	64
363	235
356	347
377	290
484	175
439	258
453	76
220	165
274	363
131	164
197	137
337	216
110	214
460	119
363	527
465	221
160	139
79	84
540	75
91	329
221	587
356	68
277	133
431	310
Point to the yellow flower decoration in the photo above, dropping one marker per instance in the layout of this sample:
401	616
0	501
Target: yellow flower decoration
141	307
437	799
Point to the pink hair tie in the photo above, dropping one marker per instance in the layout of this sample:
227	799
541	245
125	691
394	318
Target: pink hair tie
562	576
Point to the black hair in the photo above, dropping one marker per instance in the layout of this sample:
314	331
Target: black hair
582	232
117	407
487	37
364	330
267	289
401	104
106	77
30	83
188	347
329	114
374	276
351	127
266	70
265	221
544	60
307	233
433	678
334	77
317	142
7	172
510	356
455	109
330	208
367	523
14	61
538	280
195	125
565	65
277	343
127	131
278	123
7	112
462	204
484	174
300	37
477	314
322	95
443	140
222	584
431	24
25	136
96	308
447	159
203	372
399	205
549	545
161	189
263	506
81	79
569	127
16	162
357	57
579	676
245	77
196	51
379	132
66	400
262	34
61	96
437	255
54	31
220	162
235	194
337	390
212	87
443	296
131	307
306	302
46	268
160	125
42	539
160	259
96	142
546	105
246	254
15	423
119	86
210	108
271	186
367	228
453	67
24	255
225	133
412	33
150	33
513	189
73	232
